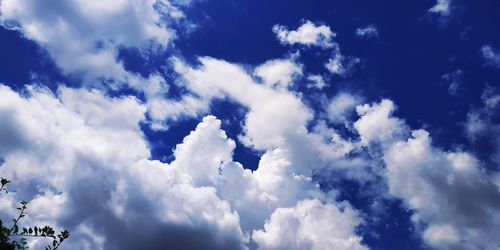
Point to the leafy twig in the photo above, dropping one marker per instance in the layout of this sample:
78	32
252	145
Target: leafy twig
14	229
6	234
4	183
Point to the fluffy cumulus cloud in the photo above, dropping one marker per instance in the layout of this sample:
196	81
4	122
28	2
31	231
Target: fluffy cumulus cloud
74	35
308	34
290	116
278	72
84	38
341	106
455	203
303	227
451	194
86	168
376	123
82	158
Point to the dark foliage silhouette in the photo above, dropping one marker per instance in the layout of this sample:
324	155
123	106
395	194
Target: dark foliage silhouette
16	237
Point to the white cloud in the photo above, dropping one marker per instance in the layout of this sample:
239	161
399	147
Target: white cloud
82	159
376	123
339	64
316	81
369	31
275	123
442	8
194	152
480	124
334	65
308	34
219	79
304	227
275	183
455	202
278	72
83	37
340	106
491	56
475	125
453	80
88	164
491	98
441	236
85	153
87	159
162	110
276	117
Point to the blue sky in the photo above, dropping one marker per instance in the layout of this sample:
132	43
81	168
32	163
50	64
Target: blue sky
254	124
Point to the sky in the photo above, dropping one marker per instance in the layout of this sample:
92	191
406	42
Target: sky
253	124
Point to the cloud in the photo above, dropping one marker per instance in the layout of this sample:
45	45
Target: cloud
453	80
455	203
308	34
369	31
86	168
316	81
490	98
376	124
442	8
278	72
88	157
339	64
163	111
491	56
480	123
84	37
340	106
303	227
218	79
83	161
449	192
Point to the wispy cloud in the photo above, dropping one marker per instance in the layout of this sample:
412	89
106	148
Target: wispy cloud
491	56
369	31
442	8
454	81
